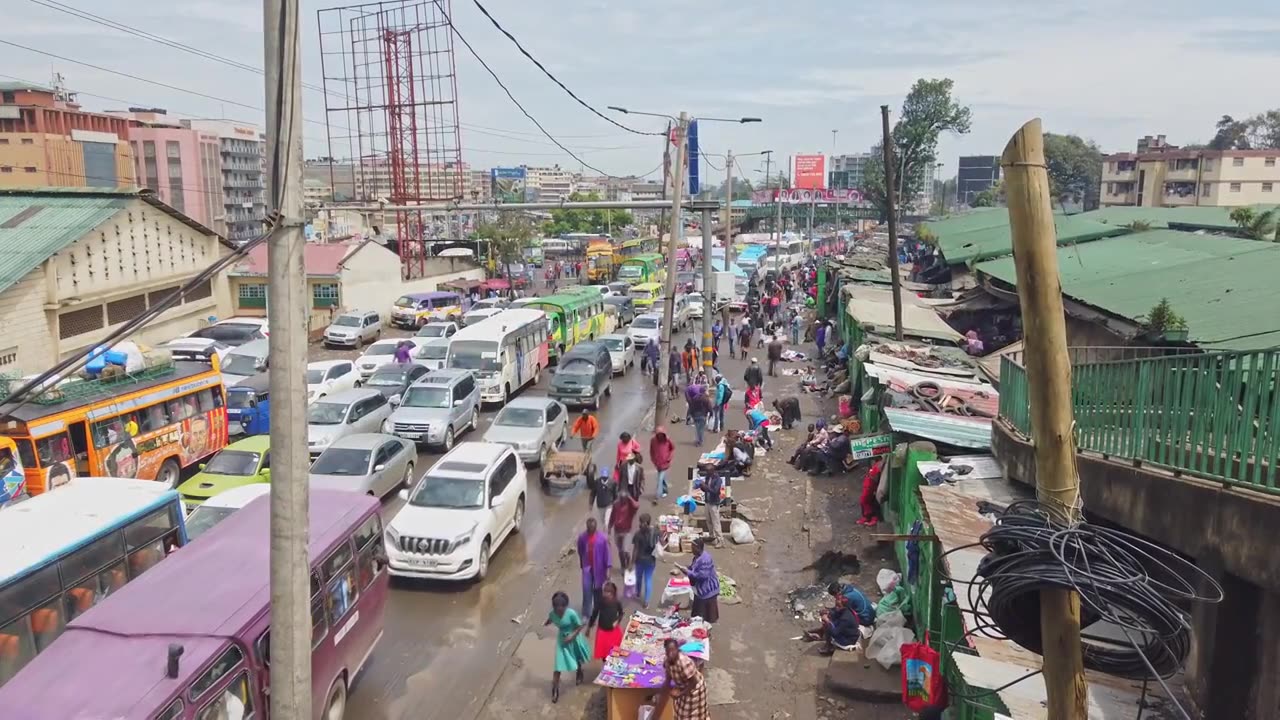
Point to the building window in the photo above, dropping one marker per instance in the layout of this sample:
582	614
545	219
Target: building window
200	292
1208	164
6	169
1204	190
1269	162
155	297
1266	187
253	295
126	309
152	174
324	295
8	97
1235	187
28	141
1237	162
4	141
29	168
78	322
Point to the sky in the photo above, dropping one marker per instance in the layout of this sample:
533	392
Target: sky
1110	72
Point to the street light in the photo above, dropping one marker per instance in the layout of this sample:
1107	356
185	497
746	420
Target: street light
741	121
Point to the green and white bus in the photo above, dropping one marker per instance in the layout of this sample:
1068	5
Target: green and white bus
574	316
643	268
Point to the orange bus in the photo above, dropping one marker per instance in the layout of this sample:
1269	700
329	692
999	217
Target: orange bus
146	425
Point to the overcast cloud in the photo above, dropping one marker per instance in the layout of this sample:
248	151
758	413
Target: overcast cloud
1105	70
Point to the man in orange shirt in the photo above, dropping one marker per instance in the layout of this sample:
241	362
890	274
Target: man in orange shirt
586	427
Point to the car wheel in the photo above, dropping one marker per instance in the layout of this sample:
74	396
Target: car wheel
608	390
408	476
518	520
448	439
542	455
169	473
537	374
482	563
506	394
336	708
475	419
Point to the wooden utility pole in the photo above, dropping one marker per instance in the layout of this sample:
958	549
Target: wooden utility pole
893	224
1049	389
669	291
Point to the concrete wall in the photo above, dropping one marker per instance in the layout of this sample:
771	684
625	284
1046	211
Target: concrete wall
371	278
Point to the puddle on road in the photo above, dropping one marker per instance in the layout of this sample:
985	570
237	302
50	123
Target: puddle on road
832	564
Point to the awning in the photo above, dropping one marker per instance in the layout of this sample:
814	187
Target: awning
462	284
873	307
958	430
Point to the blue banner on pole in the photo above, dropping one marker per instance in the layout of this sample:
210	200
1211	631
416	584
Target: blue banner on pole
695	158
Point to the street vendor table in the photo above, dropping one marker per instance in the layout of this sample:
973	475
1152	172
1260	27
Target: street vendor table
633	675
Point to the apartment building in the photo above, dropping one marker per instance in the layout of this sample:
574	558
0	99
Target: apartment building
548	184
479	187
182	166
847	171
242	166
1178	177
47	140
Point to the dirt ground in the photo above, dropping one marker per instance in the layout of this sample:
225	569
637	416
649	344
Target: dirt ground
758	670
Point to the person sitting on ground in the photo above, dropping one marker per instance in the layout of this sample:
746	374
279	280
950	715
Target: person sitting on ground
789	408
839	628
799	448
831	461
857	602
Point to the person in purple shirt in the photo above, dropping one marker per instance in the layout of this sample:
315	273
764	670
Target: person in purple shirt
404	351
593	555
706	583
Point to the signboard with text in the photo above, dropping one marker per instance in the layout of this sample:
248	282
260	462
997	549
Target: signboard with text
508	184
810	172
869	446
795	196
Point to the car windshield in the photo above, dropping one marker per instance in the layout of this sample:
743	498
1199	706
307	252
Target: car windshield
381	349
341	461
230	336
243	364
388	377
347	321
432	330
233	462
326	413
239	399
577	367
695	299
448	492
406	302
614	344
475	355
641	294
645	322
435	351
426	397
629	271
205	517
520	417
315	376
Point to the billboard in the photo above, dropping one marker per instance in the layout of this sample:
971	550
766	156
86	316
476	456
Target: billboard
508	184
805	197
810	172
693	160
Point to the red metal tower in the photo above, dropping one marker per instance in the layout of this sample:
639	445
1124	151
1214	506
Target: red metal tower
390	86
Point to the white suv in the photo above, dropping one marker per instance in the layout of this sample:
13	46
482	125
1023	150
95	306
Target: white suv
458	514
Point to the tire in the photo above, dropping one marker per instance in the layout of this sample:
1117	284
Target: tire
482	564
474	423
170	473
506	394
537	374
608	389
519	518
336	707
408	476
542	455
448	439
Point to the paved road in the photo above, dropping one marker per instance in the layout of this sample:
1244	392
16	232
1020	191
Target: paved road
444	642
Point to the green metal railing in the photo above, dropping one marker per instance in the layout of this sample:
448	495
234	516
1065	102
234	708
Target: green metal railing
1213	415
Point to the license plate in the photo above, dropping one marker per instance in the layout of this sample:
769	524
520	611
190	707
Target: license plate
423	562
411	436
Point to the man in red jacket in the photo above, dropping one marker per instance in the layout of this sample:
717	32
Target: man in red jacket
661	449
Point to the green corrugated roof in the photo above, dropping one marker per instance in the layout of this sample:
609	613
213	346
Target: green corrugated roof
1179	218
996	240
1224	287
976	219
35	224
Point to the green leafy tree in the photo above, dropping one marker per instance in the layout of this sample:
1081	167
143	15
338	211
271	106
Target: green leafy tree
1075	168
1256	225
1264	130
1231	134
928	111
986	198
564	222
507	236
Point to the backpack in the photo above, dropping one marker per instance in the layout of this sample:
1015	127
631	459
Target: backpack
728	395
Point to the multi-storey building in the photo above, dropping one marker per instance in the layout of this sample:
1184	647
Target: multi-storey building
47	140
180	165
1177	177
479	186
548	184
242	158
975	174
847	171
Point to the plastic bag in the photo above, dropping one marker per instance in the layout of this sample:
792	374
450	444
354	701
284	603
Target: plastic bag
740	531
887	580
886	645
629	583
893	618
898	599
922	684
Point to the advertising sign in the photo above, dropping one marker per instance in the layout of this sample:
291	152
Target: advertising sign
810	172
693	160
508	184
868	446
794	196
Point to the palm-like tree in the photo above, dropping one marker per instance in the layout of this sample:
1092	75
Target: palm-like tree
1256	225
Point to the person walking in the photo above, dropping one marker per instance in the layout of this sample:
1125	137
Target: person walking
753	376
820	336
700	408
644	546
732	334
689	358
603	492
717	332
571	648
684	688
723	393
631	476
774	355
797	323
661	450
595	562
650	360
626	446
586	427
706	583
609	614
673	371
621	523
744	338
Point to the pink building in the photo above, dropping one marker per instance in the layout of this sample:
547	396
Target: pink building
180	164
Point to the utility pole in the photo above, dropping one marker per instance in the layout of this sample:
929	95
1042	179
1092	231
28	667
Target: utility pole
1049	387
728	238
777	239
669	292
290	671
893	223
708	294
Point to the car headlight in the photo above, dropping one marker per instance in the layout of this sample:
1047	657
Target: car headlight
462	540
322	441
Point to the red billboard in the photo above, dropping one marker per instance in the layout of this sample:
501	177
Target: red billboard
810	172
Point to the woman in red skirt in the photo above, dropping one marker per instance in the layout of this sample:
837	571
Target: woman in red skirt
608	614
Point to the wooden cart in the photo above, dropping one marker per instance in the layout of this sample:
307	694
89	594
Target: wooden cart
562	468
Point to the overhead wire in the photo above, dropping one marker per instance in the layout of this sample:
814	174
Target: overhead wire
549	74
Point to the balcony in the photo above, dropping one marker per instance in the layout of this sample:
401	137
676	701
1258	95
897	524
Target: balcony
1184	171
1179	193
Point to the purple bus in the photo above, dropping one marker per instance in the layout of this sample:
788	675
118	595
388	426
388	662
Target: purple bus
191	637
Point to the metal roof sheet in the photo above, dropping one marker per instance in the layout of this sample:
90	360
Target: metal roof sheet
873	306
1202	217
34	226
1224	287
996	240
961	431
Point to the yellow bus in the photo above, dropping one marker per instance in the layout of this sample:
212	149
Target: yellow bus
644	295
600	261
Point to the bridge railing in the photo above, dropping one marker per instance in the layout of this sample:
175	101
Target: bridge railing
1212	415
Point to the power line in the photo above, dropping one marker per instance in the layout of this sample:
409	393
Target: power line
548	73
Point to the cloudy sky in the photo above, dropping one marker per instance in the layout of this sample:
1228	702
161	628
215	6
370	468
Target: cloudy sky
1105	70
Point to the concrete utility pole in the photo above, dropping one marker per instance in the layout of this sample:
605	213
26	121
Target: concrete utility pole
288	319
728	237
669	293
777	239
893	223
1049	389
708	294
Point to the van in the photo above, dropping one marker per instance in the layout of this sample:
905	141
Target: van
245	361
583	375
353	329
437	408
249	406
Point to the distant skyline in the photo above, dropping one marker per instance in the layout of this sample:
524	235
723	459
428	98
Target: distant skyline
1109	72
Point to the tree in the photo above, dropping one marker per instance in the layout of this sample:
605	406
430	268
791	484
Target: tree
986	198
507	237
1075	168
927	112
564	222
1231	134
1264	130
1256	225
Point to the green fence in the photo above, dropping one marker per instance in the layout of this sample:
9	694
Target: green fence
1213	415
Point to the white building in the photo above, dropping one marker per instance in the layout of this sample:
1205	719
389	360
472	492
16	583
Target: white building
242	149
549	184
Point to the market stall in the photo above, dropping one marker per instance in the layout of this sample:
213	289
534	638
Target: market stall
633	675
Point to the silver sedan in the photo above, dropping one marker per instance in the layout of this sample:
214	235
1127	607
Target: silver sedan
371	463
533	426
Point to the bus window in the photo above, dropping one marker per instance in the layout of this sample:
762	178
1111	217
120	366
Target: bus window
145	558
47	623
154	418
150	528
26	453
340	583
205	400
53	449
173	712
108	432
92	558
233	702
318	625
17	647
228	661
367	550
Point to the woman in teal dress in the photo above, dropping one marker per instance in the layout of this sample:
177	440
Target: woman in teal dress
571	648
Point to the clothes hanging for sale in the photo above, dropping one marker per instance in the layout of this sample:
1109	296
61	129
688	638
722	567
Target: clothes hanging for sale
913	552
